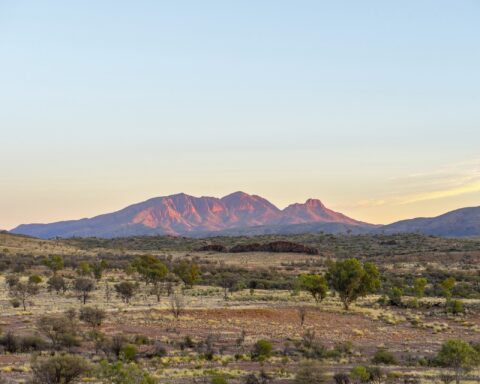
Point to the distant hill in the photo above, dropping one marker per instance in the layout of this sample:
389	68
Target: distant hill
186	215
462	222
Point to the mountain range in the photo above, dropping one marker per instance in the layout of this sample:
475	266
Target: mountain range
241	214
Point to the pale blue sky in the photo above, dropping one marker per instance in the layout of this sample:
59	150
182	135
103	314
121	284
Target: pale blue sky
371	106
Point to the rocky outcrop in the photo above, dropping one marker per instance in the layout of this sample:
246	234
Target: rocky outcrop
276	246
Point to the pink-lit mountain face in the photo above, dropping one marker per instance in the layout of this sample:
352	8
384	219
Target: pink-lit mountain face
182	214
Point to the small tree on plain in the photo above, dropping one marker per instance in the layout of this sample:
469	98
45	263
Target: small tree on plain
177	305
459	356
55	263
126	290
60	369
419	285
84	287
352	280
92	316
302	314
60	330
314	284
57	283
22	291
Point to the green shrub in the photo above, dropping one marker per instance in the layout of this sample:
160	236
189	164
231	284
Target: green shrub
382	356
219	379
310	372
128	352
262	350
455	306
359	374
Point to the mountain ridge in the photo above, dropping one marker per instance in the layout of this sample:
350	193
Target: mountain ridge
242	214
182	214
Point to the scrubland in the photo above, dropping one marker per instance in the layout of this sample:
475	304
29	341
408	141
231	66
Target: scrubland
148	310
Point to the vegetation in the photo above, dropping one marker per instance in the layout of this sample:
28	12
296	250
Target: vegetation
155	310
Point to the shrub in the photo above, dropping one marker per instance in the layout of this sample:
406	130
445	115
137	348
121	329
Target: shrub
92	316
61	369
59	329
120	373
341	378
262	350
219	379
359	374
395	297
382	356
32	343
455	307
310	372
35	279
10	342
128	352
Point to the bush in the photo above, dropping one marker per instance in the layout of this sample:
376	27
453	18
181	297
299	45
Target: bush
395	297
32	343
61	369
128	352
310	372
120	373
359	374
15	303
455	307
262	350
92	316
10	342
341	378
219	379
382	356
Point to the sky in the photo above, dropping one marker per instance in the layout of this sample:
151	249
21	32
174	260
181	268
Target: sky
372	106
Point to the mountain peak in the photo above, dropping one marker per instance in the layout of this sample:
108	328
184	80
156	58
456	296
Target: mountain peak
314	203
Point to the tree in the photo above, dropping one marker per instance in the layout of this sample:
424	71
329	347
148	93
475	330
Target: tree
84	269
316	285
92	316
459	356
84	287
352	280
54	263
11	280
228	281
125	290
310	372
98	268
187	272
22	291
176	305
59	329
446	287
419	285
57	283
302	314
60	369
152	270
